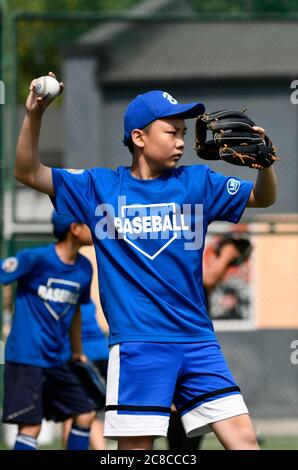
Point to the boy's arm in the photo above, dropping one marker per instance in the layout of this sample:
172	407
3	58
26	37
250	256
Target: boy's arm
28	168
76	337
264	192
7	309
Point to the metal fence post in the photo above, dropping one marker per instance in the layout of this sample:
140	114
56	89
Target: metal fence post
2	95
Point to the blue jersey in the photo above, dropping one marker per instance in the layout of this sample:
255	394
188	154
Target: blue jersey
149	238
47	296
95	344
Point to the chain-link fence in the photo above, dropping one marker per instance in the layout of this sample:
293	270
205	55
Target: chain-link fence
104	63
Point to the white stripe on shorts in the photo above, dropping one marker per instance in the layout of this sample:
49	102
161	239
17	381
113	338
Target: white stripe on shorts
196	422
113	375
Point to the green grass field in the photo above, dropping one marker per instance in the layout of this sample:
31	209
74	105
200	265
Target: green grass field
210	443
269	443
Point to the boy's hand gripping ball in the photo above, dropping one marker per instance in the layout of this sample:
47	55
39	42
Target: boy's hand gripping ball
47	87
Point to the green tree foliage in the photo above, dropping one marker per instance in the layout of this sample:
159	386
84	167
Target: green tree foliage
245	6
43	6
40	42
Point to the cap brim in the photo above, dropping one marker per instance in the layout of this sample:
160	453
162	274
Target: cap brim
185	111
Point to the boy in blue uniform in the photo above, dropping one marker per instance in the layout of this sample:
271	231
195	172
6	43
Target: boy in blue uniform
148	223
52	282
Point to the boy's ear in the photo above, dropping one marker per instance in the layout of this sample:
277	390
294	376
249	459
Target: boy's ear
74	227
137	137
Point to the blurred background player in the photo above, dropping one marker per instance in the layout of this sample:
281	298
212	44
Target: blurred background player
52	282
95	347
233	249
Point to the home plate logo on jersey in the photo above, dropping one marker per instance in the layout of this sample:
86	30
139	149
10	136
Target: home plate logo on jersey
59	295
150	228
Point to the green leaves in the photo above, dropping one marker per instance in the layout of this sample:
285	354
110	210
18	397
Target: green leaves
40	42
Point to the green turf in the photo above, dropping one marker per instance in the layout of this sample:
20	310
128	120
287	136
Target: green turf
211	443
267	443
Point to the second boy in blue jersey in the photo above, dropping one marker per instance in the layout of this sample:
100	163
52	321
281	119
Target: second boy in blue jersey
148	223
52	282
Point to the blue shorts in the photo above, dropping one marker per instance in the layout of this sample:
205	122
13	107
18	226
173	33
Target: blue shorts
32	393
144	379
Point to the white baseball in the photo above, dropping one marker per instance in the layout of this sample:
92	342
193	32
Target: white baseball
47	87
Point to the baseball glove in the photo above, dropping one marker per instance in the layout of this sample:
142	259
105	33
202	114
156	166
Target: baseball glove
240	242
233	140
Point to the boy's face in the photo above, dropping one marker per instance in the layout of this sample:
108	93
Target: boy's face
164	142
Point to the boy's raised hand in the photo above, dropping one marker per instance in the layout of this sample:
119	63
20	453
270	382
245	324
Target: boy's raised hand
36	105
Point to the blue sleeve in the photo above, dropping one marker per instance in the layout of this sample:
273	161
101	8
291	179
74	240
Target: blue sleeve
13	268
73	193
226	197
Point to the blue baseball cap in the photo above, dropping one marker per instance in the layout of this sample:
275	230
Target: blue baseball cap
62	223
153	105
